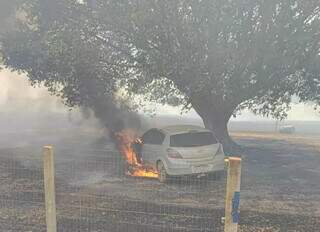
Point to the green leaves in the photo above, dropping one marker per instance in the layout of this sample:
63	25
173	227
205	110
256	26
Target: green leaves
235	54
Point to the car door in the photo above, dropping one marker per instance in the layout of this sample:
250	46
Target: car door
152	146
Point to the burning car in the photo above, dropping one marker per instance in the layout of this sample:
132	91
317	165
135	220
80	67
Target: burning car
179	150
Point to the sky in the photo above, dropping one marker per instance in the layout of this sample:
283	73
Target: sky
17	94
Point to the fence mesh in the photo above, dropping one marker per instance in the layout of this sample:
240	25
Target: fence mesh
97	194
21	191
94	193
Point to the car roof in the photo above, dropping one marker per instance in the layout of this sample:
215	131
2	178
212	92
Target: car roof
177	129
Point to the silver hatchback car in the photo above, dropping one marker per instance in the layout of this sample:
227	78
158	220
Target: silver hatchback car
180	150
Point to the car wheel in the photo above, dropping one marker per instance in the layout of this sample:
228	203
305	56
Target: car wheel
162	172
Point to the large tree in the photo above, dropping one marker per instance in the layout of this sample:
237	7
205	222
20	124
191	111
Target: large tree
215	56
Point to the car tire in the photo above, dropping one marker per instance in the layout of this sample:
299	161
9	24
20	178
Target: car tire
162	172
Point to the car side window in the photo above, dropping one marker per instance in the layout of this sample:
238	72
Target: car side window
153	137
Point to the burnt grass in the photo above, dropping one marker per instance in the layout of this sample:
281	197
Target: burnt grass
280	192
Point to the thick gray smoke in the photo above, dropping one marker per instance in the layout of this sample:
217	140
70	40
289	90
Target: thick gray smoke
32	116
115	117
16	95
25	108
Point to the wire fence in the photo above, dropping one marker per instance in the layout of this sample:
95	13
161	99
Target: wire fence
21	192
95	193
99	195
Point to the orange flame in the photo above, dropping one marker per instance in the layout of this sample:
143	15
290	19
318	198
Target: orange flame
126	138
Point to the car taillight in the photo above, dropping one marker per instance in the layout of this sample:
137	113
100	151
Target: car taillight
173	154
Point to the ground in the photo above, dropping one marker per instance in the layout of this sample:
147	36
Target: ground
280	189
280	186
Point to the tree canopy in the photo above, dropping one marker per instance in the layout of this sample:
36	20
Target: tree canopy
215	56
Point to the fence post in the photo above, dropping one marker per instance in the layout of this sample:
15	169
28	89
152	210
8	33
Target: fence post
233	195
49	188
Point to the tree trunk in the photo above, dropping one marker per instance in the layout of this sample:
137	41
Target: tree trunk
216	117
220	129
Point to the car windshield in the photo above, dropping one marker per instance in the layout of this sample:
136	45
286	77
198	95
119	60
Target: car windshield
194	139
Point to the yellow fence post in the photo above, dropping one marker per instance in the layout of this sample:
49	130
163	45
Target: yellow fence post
233	195
49	188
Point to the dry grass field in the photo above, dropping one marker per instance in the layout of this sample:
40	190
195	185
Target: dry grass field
280	189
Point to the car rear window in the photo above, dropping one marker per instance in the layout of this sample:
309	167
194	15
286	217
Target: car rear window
193	139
